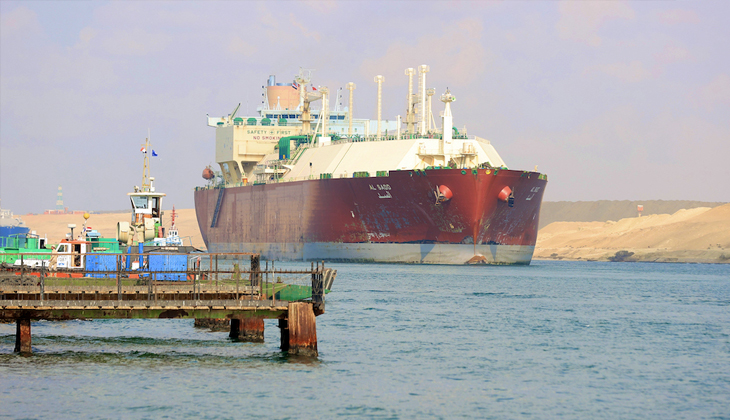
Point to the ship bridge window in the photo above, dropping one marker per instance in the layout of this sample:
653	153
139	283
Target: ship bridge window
139	202
156	207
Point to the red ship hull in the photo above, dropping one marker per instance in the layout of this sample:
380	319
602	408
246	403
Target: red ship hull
381	219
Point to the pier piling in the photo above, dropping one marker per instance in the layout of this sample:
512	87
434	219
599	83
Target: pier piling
247	329
284	327
302	329
22	336
212	323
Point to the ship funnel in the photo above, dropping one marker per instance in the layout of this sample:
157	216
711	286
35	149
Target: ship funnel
379	80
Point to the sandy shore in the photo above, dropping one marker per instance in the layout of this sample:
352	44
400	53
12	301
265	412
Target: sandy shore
55	227
695	235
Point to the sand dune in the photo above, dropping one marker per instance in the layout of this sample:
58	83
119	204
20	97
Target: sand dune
55	227
604	210
694	235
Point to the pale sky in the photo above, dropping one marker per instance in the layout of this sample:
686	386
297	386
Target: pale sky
612	100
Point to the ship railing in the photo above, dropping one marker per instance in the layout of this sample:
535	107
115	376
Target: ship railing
403	136
165	277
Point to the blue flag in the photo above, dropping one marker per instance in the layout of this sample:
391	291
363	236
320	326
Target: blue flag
153	152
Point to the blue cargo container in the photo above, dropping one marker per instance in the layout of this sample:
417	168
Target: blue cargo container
167	262
101	262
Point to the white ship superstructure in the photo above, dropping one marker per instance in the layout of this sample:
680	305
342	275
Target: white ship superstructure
331	143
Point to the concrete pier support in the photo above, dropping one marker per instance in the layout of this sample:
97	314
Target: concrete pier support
22	336
212	323
247	329
302	330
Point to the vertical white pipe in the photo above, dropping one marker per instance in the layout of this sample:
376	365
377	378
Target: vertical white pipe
325	110
419	99
429	117
423	69
350	87
409	101
447	122
379	80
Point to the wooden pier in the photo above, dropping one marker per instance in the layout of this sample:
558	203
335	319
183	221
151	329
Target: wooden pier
244	297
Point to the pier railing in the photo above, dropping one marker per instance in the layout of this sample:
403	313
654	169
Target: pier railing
156	277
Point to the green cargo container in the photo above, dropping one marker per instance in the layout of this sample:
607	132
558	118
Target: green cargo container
104	245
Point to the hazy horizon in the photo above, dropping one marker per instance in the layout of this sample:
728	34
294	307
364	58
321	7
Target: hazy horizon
612	100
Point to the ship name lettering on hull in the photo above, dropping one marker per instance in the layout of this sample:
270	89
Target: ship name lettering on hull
378	235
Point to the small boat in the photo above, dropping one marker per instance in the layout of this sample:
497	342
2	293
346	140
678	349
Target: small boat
146	225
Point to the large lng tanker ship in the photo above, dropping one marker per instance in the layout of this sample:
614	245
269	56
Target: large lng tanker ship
300	184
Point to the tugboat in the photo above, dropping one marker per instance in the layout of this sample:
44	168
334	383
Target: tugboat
145	226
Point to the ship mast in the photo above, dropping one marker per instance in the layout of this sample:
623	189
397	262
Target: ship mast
146	166
173	228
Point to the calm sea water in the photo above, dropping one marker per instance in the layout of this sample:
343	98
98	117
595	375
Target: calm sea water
551	340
